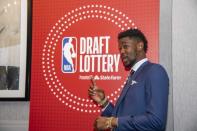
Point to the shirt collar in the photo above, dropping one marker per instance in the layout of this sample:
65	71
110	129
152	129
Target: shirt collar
138	64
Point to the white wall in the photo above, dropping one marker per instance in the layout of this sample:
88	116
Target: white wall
165	56
14	116
184	56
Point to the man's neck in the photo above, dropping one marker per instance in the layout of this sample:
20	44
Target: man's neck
140	57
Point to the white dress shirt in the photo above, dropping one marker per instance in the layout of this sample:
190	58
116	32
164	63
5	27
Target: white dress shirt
138	64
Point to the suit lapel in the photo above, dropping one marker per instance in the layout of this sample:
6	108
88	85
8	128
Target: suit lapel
126	87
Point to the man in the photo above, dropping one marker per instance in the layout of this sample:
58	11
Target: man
142	105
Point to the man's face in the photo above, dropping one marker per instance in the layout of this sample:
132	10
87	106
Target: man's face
128	51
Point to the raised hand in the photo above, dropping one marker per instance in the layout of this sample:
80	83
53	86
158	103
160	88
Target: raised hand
95	93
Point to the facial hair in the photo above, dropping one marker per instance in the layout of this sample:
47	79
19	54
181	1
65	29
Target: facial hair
132	62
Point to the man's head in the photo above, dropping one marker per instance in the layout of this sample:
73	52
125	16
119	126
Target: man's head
132	46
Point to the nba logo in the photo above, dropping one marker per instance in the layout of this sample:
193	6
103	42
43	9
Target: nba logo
69	54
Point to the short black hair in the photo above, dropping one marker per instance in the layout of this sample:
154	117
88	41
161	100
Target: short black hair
136	34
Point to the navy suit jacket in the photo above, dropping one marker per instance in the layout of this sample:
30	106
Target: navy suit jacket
142	105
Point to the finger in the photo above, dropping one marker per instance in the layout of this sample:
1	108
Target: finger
91	93
98	90
93	81
95	123
91	90
99	117
92	87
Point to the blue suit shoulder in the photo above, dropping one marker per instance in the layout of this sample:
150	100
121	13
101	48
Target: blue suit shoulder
158	70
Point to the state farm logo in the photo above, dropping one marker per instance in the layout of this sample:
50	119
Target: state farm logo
83	43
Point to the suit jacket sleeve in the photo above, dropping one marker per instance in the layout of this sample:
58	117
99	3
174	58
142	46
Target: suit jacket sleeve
108	110
157	88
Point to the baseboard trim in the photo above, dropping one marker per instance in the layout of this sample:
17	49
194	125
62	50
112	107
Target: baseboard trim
14	123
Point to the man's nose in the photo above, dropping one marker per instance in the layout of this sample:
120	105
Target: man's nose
122	51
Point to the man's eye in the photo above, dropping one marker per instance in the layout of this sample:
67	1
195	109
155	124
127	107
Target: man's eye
125	46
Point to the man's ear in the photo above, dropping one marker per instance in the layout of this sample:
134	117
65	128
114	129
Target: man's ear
140	46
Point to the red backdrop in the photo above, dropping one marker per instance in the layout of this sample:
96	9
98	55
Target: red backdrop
59	99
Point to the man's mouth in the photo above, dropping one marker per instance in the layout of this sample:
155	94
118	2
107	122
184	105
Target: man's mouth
124	59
